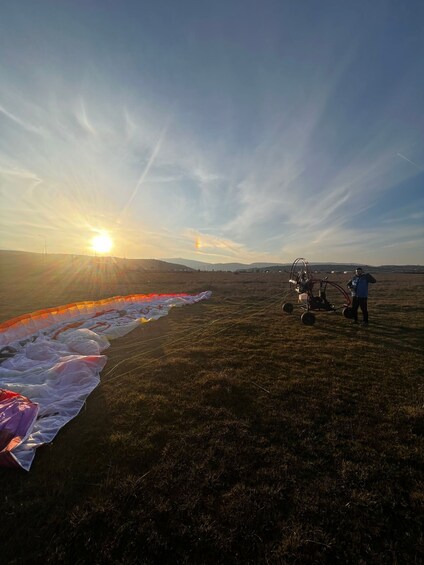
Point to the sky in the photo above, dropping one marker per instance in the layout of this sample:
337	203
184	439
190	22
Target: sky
221	131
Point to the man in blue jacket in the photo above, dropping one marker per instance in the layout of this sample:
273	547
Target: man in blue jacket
359	288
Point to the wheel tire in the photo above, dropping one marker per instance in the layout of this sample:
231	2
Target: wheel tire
308	319
288	307
348	312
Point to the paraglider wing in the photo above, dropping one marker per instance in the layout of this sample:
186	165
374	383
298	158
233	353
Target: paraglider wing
52	360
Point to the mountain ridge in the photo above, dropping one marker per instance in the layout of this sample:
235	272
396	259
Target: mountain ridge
273	267
9	258
29	259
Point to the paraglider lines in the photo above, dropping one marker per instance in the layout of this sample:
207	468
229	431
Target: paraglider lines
183	339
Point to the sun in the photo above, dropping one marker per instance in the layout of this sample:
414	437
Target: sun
101	243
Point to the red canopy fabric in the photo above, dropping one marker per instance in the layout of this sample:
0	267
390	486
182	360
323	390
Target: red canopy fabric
17	417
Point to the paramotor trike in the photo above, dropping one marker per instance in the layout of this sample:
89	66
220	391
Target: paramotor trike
315	294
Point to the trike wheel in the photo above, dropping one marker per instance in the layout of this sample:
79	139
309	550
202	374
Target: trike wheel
308	319
348	312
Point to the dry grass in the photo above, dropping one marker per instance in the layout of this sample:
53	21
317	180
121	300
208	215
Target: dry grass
228	432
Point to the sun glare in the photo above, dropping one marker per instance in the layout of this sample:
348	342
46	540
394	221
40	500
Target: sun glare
101	243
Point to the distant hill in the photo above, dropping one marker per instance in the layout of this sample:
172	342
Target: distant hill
23	260
347	268
275	267
203	266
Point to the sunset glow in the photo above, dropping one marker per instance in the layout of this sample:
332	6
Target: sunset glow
101	243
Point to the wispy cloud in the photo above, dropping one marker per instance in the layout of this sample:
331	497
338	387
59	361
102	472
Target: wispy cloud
81	116
145	172
409	161
220	249
20	122
22	174
304	196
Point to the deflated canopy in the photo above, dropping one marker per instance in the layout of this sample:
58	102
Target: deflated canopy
51	361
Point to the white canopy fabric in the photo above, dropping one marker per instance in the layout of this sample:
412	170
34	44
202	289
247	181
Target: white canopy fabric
57	365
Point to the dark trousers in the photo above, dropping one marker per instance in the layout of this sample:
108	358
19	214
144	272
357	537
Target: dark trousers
363	303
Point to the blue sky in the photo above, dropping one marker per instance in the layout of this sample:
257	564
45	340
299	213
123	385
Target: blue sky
218	131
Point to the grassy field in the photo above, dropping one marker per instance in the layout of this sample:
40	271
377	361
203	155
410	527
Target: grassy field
228	432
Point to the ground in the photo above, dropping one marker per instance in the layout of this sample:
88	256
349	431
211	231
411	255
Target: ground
228	432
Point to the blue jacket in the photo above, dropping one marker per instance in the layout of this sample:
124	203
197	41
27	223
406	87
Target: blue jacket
359	285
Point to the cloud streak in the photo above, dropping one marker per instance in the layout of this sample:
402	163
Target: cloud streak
409	161
21	123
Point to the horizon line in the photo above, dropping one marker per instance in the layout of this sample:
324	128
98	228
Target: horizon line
168	260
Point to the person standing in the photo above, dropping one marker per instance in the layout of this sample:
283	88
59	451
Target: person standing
358	286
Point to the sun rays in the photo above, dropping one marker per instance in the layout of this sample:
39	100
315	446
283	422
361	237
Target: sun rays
102	243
